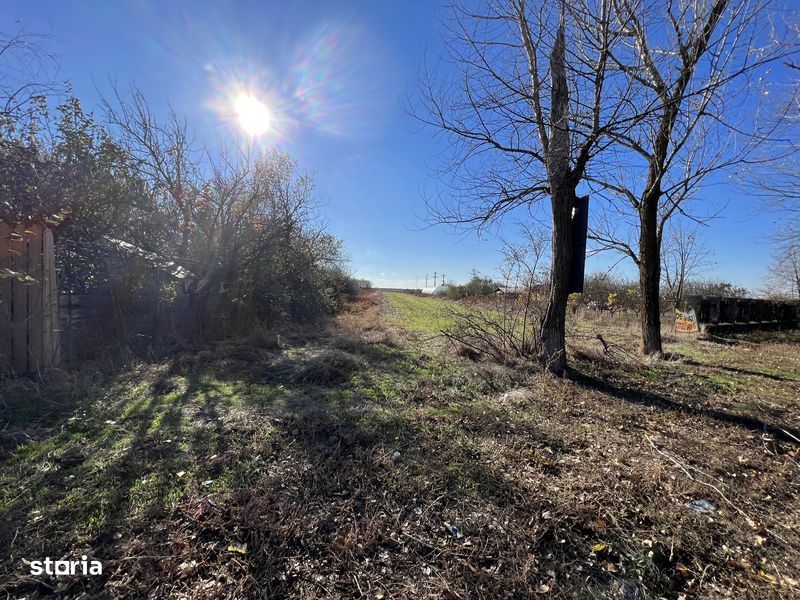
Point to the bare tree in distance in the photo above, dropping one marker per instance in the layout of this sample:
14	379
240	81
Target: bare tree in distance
526	115
683	257
780	186
783	273
692	61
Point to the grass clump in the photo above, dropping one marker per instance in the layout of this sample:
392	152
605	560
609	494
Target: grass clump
318	367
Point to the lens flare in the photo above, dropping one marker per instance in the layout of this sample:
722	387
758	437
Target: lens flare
254	116
340	81
334	82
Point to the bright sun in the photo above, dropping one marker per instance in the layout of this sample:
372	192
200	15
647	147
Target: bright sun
254	116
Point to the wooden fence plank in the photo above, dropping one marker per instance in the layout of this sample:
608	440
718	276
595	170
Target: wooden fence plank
35	320
5	298
50	299
19	258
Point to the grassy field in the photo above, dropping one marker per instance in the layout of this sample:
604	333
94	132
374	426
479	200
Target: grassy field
355	461
421	314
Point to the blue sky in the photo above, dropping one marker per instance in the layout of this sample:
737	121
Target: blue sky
359	61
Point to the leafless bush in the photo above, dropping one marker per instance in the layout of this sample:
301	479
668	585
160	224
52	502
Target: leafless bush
506	327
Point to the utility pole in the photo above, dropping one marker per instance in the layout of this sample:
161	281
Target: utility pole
434	279
442	278
426	280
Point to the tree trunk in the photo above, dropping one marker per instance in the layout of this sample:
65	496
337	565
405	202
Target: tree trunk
795	260
553	353
650	278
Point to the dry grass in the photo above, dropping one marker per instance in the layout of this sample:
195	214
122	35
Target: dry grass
324	366
352	467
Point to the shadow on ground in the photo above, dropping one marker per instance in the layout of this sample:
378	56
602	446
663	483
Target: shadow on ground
331	467
315	470
683	400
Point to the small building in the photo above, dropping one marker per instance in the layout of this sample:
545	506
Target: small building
536	289
508	290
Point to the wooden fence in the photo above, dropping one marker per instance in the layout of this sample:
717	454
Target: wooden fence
715	313
28	299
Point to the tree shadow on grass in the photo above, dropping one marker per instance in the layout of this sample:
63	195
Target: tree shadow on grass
365	494
133	461
334	487
738	370
98	464
637	395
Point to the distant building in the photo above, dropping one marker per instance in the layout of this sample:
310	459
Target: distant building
510	290
439	290
507	289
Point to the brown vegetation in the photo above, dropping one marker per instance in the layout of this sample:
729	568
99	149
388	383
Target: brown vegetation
387	469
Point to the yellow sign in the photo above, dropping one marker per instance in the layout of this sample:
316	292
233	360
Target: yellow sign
686	321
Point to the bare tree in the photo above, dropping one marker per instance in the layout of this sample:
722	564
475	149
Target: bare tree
526	114
780	183
691	61
683	257
163	152
783	275
246	196
26	71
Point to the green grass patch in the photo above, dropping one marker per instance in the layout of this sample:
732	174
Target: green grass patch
420	314
725	382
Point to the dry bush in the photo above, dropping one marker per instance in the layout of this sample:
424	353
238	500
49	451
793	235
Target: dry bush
261	337
497	377
320	367
505	327
467	352
364	319
346	343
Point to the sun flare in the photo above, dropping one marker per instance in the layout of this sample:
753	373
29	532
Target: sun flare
254	116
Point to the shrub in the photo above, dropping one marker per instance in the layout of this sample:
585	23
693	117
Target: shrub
478	285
